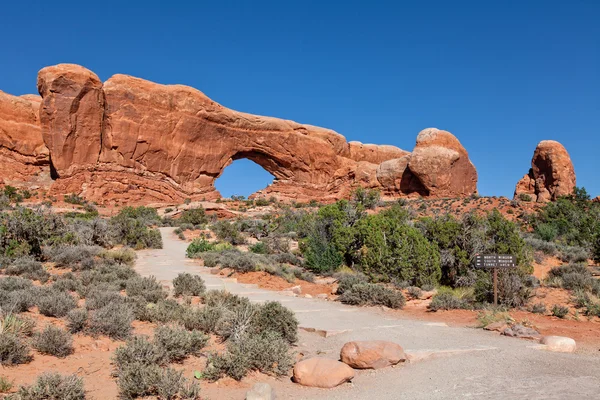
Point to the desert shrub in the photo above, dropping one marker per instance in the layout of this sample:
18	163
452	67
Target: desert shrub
54	303
99	297
67	283
5	384
539	308
574	280
77	320
240	261
177	343
211	259
163	311
206	319
414	292
447	301
525	197
138	350
228	232
574	254
272	316
71	256
300	273
193	216
560	311
346	281
198	246
53	386
147	287
188	285
13	349
546	247
28	268
18	300
54	341
73	198
237	320
113	320
286	258
130	227
12	283
371	294
124	256
267	353
259	248
138	380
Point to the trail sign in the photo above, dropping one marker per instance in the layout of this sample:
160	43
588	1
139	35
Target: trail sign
495	261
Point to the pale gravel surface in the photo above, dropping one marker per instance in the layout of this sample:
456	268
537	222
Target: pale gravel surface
483	365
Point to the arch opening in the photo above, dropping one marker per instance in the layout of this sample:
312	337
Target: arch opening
243	177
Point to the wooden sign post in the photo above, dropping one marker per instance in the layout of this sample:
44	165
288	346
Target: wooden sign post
495	261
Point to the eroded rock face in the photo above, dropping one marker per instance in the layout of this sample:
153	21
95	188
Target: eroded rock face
23	154
374	354
551	175
135	141
322	372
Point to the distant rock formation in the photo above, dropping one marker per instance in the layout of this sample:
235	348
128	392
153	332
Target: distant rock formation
139	142
551	175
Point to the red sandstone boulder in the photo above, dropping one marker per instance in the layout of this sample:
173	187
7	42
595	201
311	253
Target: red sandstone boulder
442	165
372	354
322	372
551	175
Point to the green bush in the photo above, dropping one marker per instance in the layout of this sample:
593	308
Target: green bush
259	248
193	216
53	386
13	350
228	232
53	303
130	227
391	249
188	285
560	311
77	320
164	311
198	246
370	294
272	316
54	341
113	320
367	199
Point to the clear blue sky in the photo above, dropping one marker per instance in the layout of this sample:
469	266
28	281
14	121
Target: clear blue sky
500	75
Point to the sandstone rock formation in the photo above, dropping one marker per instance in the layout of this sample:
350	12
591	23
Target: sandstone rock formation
322	372
372	354
139	142
23	154
551	175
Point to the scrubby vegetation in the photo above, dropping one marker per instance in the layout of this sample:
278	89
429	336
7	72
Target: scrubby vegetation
52	386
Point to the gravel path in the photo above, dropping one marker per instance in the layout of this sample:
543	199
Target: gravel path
467	363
